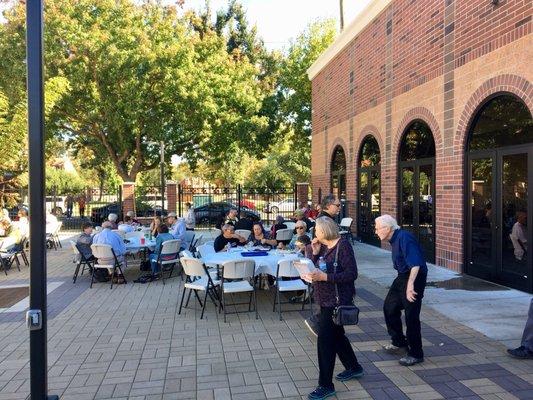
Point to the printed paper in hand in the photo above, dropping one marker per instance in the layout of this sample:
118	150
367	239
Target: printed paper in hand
304	267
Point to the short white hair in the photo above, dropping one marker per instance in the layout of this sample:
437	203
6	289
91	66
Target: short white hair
130	214
388	220
112	217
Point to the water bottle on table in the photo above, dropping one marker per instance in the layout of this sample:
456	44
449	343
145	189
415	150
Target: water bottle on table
322	264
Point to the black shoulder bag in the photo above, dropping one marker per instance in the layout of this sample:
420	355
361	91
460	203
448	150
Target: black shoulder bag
343	315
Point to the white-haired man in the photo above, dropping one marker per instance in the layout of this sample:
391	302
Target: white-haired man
405	293
113	219
107	236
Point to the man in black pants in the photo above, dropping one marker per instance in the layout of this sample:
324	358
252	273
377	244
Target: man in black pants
406	291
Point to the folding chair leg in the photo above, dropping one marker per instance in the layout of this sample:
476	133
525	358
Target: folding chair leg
92	277
76	272
182	298
255	304
25	258
188	298
198	297
250	302
122	273
113	276
205	302
279	304
4	266
306	296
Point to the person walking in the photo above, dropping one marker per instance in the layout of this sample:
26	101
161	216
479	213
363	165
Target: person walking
405	293
340	270
525	351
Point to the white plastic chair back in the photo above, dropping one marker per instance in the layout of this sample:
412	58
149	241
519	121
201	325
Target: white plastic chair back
245	233
346	223
205	250
104	254
216	231
287	269
74	248
238	269
284	234
290	225
58	227
170	247
192	266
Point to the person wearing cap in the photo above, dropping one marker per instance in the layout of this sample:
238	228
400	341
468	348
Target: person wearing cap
113	219
177	227
126	226
131	215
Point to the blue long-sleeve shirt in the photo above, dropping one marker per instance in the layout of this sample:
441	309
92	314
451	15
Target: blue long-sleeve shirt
107	236
178	229
406	252
162	237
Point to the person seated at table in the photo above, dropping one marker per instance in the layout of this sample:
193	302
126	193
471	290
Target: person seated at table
12	234
155	224
113	219
177	226
245	222
228	236
278	224
134	221
107	236
85	240
300	216
23	223
51	222
301	244
300	229
163	235
231	217
259	237
126	226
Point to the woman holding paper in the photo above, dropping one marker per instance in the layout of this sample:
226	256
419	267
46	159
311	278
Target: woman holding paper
332	340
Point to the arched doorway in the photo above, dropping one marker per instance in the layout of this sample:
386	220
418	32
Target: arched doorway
338	173
499	209
369	190
416	209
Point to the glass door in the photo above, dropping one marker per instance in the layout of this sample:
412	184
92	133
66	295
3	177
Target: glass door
417	203
369	204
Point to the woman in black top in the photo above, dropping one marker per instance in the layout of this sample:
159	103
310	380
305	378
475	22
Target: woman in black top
332	340
259	237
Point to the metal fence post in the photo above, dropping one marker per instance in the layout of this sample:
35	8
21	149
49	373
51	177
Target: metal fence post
120	202
36	317
239	198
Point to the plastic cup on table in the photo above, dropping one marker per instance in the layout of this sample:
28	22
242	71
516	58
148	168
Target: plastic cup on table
142	241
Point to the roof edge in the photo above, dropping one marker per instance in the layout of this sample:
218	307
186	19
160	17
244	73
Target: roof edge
367	15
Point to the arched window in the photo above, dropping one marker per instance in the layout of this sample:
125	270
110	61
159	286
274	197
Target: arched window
338	174
338	163
417	142
502	121
369	155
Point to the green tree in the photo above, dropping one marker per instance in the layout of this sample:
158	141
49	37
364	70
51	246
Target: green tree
137	74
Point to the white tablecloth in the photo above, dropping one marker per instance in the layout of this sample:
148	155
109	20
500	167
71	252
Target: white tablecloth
263	264
135	244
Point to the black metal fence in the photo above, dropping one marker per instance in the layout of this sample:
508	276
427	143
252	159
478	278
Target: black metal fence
211	202
149	201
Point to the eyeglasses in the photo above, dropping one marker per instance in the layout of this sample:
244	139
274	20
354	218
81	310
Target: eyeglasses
300	227
337	204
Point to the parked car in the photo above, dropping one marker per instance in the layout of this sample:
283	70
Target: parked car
212	213
243	203
286	206
99	214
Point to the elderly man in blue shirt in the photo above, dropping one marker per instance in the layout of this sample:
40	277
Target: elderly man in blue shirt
107	236
405	293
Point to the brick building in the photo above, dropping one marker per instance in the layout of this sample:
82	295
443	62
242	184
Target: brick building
422	109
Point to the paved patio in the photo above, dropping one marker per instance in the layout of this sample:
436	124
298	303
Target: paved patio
130	343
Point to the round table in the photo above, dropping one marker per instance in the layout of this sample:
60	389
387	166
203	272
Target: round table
263	264
136	245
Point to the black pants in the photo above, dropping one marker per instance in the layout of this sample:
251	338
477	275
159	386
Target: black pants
332	341
395	302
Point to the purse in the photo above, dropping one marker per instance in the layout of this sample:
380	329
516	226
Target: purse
343	315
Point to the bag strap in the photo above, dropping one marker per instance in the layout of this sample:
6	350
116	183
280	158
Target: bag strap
335	271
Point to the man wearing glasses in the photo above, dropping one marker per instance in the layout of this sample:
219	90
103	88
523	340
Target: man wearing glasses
405	293
331	207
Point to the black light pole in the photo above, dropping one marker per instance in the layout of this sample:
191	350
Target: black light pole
36	315
162	171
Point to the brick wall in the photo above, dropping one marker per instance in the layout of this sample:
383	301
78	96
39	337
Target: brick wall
436	60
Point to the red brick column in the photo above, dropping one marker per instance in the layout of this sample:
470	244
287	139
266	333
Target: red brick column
302	193
128	197
172	196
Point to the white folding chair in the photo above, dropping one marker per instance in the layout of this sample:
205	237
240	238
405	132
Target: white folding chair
204	250
197	279
53	237
106	258
168	257
188	239
286	269
7	255
284	236
290	225
245	233
241	274
346	227
80	260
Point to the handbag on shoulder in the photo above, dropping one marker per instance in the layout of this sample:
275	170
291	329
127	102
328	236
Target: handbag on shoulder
343	315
